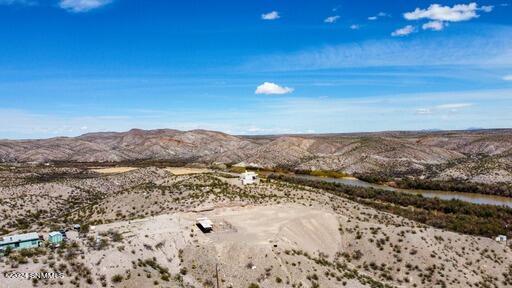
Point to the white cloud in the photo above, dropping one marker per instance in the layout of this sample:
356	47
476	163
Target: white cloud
372	18
354	26
439	15
332	19
434	25
507	77
270	16
272	88
78	6
456	13
404	31
459	12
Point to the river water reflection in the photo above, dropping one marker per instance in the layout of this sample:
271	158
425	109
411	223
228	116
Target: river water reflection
445	195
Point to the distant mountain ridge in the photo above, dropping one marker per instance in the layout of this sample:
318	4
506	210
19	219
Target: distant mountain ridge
393	151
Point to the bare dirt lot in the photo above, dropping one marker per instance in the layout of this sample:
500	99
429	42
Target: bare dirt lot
172	170
313	230
186	170
113	170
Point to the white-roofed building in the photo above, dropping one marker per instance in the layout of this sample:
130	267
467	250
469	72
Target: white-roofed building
248	177
204	224
501	238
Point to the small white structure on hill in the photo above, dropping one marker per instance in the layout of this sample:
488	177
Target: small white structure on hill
501	238
204	224
248	177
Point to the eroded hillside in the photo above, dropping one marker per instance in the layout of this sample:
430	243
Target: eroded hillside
483	156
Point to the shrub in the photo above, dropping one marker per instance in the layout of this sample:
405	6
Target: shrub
183	271
117	278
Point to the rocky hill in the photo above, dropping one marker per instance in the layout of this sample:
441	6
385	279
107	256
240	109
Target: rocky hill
481	156
138	229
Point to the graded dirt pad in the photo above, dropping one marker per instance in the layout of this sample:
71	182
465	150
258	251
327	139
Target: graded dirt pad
186	170
241	236
287	226
114	170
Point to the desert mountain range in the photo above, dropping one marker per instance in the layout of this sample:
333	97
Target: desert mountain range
481	155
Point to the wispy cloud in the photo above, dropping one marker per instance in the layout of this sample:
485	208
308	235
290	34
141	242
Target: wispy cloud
404	31
78	6
454	106
38	125
354	27
507	77
270	16
423	111
487	8
489	48
331	19
379	15
443	108
272	88
489	108
394	111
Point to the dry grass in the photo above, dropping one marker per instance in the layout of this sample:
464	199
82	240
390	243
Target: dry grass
114	170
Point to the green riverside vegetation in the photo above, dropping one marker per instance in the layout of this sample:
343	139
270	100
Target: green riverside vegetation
453	215
498	189
324	173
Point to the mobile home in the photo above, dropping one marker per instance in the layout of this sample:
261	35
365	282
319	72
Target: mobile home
20	241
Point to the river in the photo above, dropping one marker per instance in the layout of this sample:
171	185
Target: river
445	195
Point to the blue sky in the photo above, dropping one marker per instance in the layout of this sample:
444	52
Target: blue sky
69	67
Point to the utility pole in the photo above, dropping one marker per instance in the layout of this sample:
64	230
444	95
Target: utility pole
217	273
